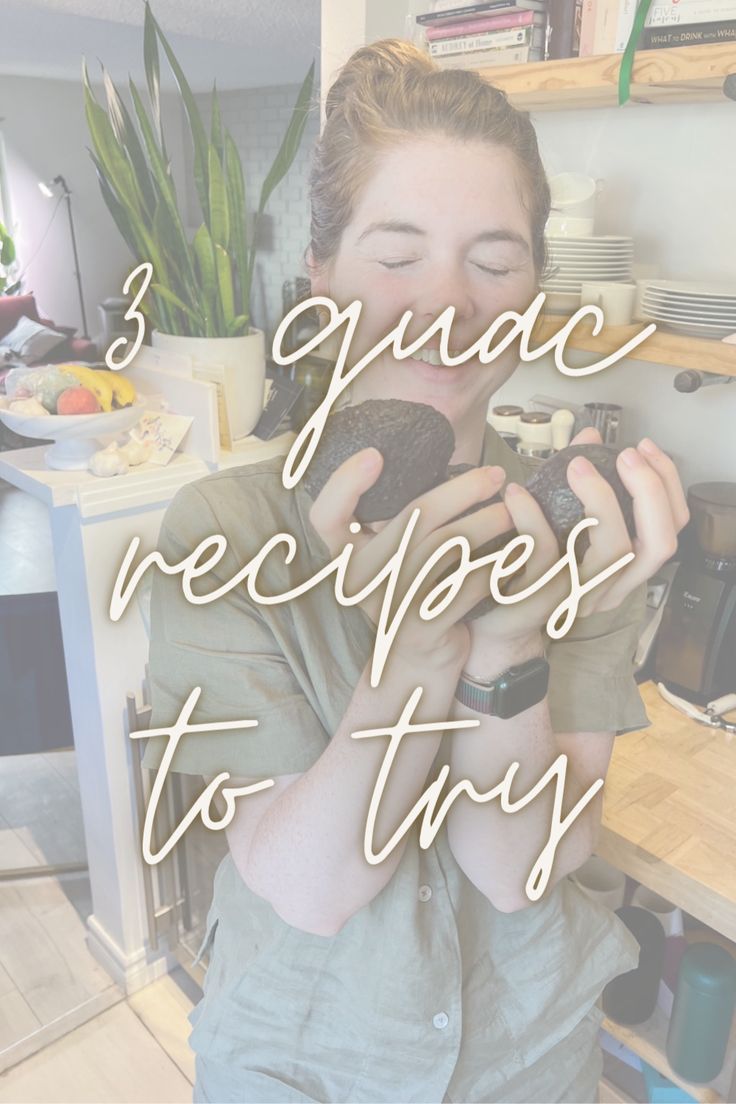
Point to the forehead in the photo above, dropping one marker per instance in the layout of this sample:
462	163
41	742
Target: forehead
437	180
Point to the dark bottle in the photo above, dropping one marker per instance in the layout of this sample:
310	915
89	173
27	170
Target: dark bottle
701	1015
631	998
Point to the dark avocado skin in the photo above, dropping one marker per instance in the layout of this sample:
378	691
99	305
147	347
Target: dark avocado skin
561	506
416	442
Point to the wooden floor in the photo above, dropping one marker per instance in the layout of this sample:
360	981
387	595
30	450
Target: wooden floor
135	1052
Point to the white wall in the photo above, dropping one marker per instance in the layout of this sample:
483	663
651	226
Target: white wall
45	134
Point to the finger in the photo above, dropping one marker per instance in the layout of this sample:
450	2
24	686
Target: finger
443	503
333	510
529	519
666	470
587	436
609	539
656	536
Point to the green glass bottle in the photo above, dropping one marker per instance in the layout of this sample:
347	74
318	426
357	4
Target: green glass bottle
701	1015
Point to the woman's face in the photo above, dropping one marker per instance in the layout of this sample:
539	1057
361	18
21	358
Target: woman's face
440	222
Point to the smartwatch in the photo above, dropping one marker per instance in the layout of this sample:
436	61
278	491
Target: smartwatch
514	690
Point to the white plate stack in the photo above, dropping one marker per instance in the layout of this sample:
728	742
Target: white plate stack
700	309
572	262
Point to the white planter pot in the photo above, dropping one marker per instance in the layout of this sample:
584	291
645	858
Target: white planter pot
243	364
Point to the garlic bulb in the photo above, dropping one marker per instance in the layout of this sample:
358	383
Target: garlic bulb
136	452
31	407
108	462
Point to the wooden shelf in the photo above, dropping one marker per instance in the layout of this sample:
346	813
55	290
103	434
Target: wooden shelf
682	74
661	348
648	1040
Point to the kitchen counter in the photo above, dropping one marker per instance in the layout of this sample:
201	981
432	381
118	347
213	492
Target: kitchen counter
669	812
669	821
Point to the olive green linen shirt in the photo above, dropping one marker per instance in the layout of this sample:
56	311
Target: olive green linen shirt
428	993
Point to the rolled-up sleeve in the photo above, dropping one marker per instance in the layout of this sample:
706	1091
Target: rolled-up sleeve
592	686
228	650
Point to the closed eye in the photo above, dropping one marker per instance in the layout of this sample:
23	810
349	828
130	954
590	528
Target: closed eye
492	271
395	264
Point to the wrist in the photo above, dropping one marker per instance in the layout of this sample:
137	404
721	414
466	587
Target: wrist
488	658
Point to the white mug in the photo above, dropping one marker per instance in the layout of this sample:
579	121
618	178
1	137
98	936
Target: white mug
616	300
601	881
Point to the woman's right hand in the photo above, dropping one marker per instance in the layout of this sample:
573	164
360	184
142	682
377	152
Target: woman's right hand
445	637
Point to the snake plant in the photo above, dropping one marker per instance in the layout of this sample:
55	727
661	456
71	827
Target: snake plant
200	287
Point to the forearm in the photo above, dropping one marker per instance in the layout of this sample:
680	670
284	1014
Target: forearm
307	854
497	849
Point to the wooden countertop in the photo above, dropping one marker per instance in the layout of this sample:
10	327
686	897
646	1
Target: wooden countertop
669	815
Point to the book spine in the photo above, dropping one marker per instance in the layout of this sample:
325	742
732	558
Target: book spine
562	28
578	19
692	34
486	59
687	11
440	18
606	25
587	28
477	26
625	25
520	36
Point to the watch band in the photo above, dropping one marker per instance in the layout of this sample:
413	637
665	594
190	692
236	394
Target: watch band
514	690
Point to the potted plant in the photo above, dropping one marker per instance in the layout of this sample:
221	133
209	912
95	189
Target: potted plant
198	302
8	285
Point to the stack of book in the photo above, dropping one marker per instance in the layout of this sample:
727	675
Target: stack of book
488	33
606	25
689	23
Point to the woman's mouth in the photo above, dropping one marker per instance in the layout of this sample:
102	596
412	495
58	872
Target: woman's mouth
432	356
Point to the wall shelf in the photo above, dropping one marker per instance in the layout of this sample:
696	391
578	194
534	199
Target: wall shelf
662	347
682	74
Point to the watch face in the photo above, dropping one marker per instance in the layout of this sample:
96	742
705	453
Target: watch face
521	687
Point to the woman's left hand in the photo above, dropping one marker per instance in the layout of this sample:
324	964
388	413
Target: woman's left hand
660	512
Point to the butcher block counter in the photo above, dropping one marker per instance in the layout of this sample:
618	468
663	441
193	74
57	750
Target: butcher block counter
669	812
669	821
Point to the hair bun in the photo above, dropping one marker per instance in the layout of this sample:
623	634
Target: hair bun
373	64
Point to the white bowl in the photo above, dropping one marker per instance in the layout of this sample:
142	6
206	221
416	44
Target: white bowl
568	226
75	435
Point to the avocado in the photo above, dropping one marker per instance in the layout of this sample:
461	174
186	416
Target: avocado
416	443
561	507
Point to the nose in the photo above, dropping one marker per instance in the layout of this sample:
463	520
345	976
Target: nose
448	285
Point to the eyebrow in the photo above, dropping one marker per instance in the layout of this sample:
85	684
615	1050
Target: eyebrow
396	226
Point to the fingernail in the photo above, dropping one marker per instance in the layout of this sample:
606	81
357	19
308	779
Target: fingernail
581	466
370	460
512	488
630	457
495	473
648	446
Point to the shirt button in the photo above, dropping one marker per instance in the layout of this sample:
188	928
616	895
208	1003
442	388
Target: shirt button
425	892
440	1020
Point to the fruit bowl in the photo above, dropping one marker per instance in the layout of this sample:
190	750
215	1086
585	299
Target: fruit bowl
74	435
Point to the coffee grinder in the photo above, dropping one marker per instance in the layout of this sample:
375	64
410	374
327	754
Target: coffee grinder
696	645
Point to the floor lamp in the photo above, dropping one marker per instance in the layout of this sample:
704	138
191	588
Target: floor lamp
67	195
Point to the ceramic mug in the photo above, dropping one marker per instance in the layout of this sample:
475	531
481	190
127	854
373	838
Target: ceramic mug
602	882
616	300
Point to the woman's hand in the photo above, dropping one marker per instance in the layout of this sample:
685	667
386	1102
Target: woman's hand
421	641
660	512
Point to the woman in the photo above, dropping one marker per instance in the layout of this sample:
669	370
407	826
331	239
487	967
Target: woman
428	976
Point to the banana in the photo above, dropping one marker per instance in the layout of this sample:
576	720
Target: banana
124	393
111	389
